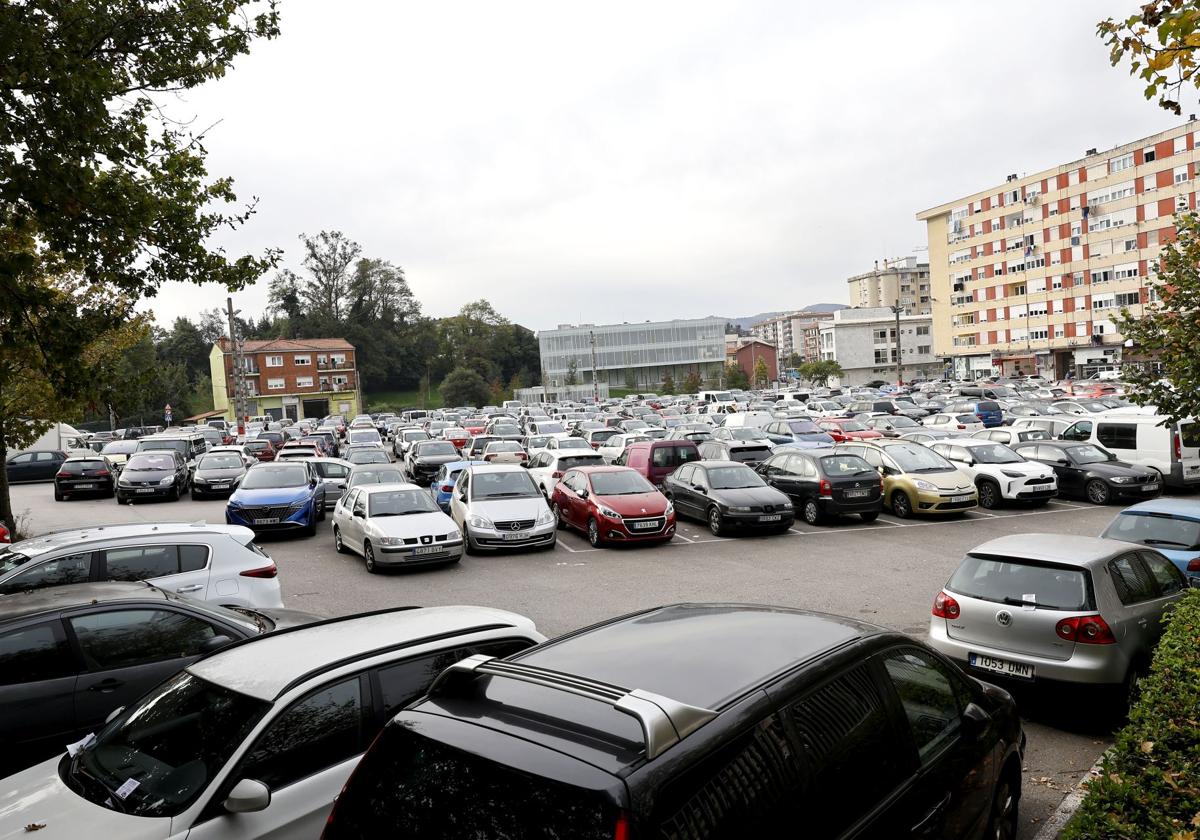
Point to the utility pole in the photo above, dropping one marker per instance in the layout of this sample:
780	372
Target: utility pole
595	382
897	309
239	388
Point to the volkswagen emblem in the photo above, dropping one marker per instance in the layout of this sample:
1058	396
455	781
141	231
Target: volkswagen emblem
1004	618
514	526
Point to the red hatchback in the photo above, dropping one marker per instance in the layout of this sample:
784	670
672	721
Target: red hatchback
843	430
612	504
261	449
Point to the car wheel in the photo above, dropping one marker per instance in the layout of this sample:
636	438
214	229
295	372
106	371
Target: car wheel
1002	824
369	558
593	534
174	497
1098	492
310	529
812	512
989	494
901	505
1131	688
338	545
558	520
468	546
195	494
870	516
58	497
321	511
715	523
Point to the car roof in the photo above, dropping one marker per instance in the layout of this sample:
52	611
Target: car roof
1067	549
497	468
53	598
601	468
383	488
1182	508
277	661
97	534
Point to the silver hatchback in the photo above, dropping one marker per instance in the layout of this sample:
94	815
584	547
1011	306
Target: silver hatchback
1045	608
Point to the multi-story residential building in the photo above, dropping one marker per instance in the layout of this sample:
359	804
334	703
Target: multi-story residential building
310	377
637	356
863	342
1029	275
902	281
793	333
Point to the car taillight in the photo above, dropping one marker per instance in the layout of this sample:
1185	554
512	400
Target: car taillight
1086	629
1194	564
945	607
1178	446
62	475
557	474
262	572
961	426
4	535
621	829
825	488
101	473
446	488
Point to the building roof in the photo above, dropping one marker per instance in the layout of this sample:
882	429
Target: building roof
289	344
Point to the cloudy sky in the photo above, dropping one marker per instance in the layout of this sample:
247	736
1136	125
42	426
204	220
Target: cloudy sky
632	160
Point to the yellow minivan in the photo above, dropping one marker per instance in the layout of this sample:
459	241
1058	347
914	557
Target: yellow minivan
916	480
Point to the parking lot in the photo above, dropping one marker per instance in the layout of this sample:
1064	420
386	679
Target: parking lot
887	571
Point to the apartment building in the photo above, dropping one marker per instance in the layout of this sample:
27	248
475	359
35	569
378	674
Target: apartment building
1029	275
863	342
793	333
903	281
311	377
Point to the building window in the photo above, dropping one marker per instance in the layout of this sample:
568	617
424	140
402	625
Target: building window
1038	335
338	359
1060	331
1102	276
302	360
922	330
1123	162
1128	298
1152	294
1131	244
1181	174
275	384
924	349
304	381
1148	155
341	379
1123	272
275	361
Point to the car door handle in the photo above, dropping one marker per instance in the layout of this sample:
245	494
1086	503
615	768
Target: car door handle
107	686
929	822
195	587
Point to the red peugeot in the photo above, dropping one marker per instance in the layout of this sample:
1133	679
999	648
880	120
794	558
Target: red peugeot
612	504
842	430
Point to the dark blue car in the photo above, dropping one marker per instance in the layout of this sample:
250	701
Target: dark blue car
280	496
443	483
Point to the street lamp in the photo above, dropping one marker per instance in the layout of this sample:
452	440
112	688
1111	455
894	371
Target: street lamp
896	310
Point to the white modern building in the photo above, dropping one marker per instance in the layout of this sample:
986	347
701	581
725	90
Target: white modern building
902	281
863	342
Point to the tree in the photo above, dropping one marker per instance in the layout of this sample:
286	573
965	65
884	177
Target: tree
793	361
1161	39
573	372
820	372
328	257
692	384
735	377
762	375
1167	330
668	384
463	386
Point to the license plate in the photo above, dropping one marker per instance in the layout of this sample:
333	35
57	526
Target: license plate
516	537
268	520
957	499
857	494
224	485
771	517
1150	488
1000	666
85	486
645	525
145	490
428	549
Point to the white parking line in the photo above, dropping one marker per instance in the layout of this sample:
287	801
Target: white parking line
985	513
682	537
562	544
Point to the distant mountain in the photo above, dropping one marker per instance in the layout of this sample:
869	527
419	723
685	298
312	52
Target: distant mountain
825	307
748	321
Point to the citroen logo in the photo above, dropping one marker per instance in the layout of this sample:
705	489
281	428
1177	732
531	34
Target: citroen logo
514	526
1004	618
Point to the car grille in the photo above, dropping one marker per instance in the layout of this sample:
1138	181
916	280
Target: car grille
514	525
271	511
424	540
956	505
1043	480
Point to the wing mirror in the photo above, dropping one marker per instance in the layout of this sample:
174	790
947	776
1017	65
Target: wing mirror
115	713
215	643
247	796
699	488
975	721
361	514
1062	462
583	494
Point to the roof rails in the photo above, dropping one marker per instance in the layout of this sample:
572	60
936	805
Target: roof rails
665	722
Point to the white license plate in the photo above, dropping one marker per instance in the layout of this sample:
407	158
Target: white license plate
957	499
224	486
145	490
1150	488
857	494
516	537
85	486
771	517
428	549
645	525
1000	666
268	520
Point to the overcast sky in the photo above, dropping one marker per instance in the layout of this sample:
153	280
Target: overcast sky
634	160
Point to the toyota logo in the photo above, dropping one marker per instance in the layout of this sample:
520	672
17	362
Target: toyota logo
514	526
1004	618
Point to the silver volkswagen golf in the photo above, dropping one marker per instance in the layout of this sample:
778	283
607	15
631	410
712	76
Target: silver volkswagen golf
1046	608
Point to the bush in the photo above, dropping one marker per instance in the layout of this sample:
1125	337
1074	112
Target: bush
1149	785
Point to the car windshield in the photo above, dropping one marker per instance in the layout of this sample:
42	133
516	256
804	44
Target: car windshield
804	427
1157	529
505	430
995	453
732	478
146	462
502	446
1021	583
572	443
160	445
390	476
399	503
568	462
82	466
601	436
914	458
851	426
502	485
748	434
537	442
164	750
838	466
436	447
119	447
902	422
11	560
266	478
622	483
409	437
967	418
219	461
1088	454
550	428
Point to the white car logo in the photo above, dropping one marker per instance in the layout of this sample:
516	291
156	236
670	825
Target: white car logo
1004	618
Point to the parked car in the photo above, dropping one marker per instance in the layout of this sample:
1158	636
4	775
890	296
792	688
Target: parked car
656	459
612	505
547	467
216	563
153	474
612	448
892	425
118	451
405	438
1009	436
727	495
1000	474
1170	449
498	506
916	480
333	473
34	465
426	457
747	721
365	455
393	525
1169	526
263	450
295	449
842	429
505	452
71	654
85	475
824	484
963	423
247	752
442	485
596	438
800	432
988	411
1091	472
278	497
217	474
1046	609
749	452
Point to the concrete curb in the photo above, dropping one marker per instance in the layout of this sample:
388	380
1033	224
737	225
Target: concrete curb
1066	809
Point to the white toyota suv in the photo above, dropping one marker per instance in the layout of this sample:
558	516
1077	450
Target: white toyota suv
1000	474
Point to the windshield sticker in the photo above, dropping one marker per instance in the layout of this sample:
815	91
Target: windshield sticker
125	789
1029	601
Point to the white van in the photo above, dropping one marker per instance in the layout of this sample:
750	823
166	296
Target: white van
714	401
1172	449
748	419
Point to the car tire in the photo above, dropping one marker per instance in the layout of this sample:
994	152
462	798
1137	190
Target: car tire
901	505
593	533
989	494
811	511
558	520
468	546
310	530
1097	492
174	497
196	495
716	523
338	545
321	511
369	558
58	497
1003	821
869	516
1131	686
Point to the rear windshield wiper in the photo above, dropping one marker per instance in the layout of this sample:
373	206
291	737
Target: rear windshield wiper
1153	541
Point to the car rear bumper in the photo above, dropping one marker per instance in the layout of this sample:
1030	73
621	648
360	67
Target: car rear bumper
1088	664
98	485
206	490
145	492
1182	476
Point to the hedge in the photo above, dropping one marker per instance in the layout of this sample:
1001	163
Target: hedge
1149	785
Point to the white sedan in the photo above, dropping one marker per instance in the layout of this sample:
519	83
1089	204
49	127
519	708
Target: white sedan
395	525
547	466
612	448
954	423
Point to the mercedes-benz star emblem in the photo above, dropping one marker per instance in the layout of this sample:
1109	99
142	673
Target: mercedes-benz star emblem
1004	618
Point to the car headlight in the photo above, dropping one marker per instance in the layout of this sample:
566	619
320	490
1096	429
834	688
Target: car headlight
609	512
670	509
391	541
547	516
1121	479
922	484
1012	474
785	505
477	521
739	509
168	480
454	534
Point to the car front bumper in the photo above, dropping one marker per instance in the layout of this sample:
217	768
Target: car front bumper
937	504
489	539
1149	490
738	519
298	518
626	530
1088	664
389	555
157	492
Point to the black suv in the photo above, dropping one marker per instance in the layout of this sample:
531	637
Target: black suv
697	721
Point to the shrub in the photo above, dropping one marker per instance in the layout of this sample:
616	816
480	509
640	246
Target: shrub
1149	785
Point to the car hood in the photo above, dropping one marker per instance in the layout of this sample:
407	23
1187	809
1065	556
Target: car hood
217	475
740	496
639	504
507	509
146	475
269	495
411	525
38	796
949	480
1115	468
437	459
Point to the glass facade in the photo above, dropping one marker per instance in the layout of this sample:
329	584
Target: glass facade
644	353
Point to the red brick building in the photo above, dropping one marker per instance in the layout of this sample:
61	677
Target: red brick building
747	355
309	377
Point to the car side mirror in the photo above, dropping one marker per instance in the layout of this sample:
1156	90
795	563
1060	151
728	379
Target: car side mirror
975	721
247	796
583	494
115	713
699	488
1062	462
970	462
215	643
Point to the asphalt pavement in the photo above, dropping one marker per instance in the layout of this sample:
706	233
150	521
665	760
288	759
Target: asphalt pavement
886	572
